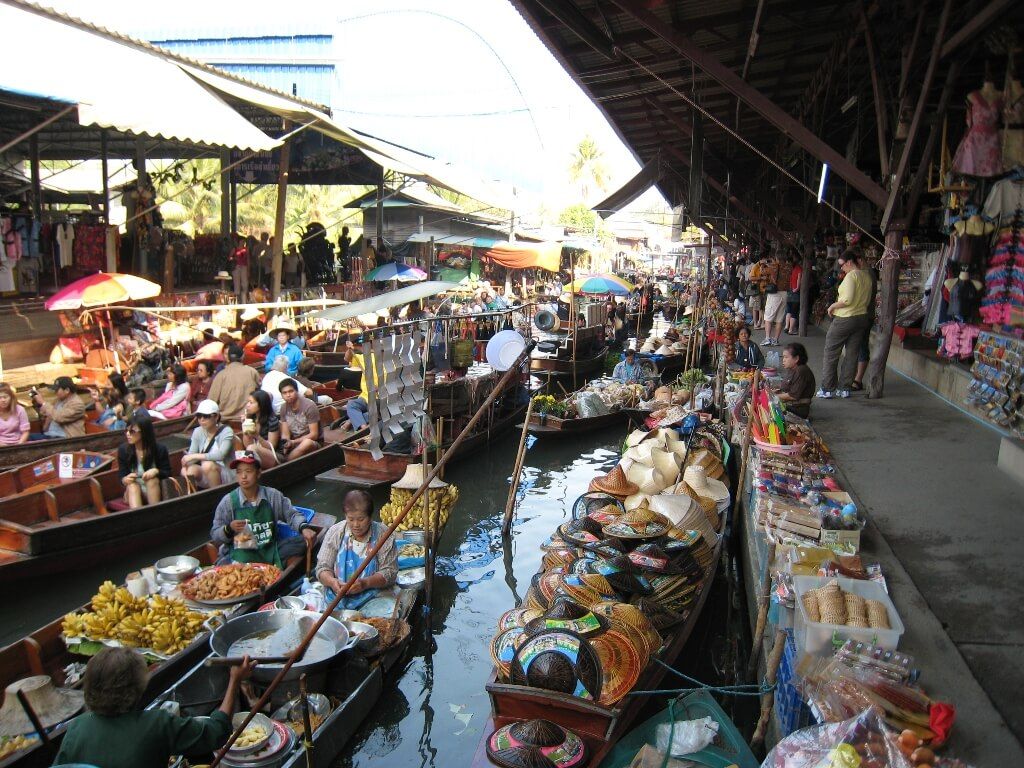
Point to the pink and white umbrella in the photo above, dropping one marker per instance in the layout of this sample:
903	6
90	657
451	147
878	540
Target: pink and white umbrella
102	289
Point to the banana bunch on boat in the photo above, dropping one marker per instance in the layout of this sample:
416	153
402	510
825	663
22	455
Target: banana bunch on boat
158	623
440	502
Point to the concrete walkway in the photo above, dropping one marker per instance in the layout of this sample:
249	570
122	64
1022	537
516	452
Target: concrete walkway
948	527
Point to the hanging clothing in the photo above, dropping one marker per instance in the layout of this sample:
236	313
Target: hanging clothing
65	239
1004	279
90	247
979	153
958	340
1012	135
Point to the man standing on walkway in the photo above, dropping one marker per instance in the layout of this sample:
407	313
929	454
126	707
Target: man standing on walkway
850	322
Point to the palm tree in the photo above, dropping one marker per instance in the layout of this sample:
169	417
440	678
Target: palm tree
587	168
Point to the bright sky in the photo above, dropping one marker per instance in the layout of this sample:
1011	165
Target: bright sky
465	80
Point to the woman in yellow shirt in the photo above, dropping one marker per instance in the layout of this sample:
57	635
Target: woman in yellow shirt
850	322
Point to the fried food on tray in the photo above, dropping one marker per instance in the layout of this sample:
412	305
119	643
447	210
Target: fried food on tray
230	581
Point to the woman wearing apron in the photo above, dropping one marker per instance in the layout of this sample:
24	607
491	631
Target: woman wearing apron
346	545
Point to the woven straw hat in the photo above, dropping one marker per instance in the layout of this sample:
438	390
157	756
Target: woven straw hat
566	613
667	463
640	454
503	649
637	436
614	483
660	617
696	477
665	349
414	477
711	463
557	660
536	744
637	501
517	617
51	704
638	524
624	614
646	479
621	665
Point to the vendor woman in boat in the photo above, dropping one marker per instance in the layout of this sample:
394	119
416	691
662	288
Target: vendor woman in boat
245	521
345	546
116	733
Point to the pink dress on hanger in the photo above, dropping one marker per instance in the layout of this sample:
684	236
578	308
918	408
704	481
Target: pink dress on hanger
979	153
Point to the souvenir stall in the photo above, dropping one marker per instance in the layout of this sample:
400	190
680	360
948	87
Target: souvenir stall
821	607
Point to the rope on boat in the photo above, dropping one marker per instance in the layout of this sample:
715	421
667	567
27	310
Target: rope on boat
751	689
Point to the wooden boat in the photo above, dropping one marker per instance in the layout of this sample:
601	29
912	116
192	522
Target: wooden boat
46	472
552	426
729	749
362	470
563	367
65	527
44	652
97	438
354	683
599	726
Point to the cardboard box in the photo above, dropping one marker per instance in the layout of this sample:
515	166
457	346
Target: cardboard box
844	538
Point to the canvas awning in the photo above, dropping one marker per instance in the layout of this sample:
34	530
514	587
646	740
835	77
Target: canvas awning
468	241
115	84
648	176
527	255
384	301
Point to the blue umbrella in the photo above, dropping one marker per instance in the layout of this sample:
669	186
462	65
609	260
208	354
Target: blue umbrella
395	271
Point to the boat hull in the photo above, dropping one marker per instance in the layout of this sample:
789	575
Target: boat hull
555	428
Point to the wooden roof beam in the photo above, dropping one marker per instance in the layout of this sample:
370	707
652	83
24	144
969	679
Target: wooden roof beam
758	102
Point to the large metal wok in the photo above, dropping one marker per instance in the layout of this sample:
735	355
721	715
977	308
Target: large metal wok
278	633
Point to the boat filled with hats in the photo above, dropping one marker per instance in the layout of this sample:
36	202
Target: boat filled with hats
621	586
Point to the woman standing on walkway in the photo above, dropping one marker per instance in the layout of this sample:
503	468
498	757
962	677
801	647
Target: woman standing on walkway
850	322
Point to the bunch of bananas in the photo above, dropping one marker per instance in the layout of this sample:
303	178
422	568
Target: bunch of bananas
440	501
159	623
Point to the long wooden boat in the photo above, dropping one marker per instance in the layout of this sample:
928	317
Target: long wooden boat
576	372
599	726
551	426
363	471
66	527
354	684
46	472
44	652
97	438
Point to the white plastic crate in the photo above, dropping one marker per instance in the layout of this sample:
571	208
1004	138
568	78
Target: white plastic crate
819	639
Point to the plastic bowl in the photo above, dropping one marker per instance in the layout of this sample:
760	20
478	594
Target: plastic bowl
176	568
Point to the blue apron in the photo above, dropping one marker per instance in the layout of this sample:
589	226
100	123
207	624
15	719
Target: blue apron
347	563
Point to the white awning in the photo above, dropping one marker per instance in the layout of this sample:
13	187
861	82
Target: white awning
115	84
385	300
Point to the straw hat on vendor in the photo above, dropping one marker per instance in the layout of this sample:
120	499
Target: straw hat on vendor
414	477
250	313
52	705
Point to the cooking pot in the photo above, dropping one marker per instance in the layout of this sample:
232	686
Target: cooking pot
278	633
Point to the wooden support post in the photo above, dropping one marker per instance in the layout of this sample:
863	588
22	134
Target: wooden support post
977	24
770	678
517	471
106	175
881	116
225	193
888	286
915	124
805	288
282	202
380	212
37	185
763	599
138	254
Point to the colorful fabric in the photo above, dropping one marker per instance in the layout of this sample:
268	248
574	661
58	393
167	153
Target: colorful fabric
979	153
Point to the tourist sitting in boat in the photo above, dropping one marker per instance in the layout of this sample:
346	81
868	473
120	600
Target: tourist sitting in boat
627	371
173	403
199	388
135	404
116	733
286	348
271	383
142	463
206	463
245	521
300	422
748	354
14	424
304	378
346	544
65	417
798	385
261	429
108	399
231	387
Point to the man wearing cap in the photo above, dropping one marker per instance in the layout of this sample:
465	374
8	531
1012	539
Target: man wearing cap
285	348
232	386
65	417
245	523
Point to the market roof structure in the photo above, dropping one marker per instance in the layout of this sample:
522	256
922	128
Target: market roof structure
771	89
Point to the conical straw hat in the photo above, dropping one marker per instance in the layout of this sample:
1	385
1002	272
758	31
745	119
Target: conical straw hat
696	477
646	479
667	463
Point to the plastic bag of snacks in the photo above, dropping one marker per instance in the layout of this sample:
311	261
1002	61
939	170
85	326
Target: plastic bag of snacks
863	741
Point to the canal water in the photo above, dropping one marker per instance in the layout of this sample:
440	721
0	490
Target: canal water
434	705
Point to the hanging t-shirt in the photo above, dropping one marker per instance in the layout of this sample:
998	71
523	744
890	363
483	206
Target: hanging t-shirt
65	243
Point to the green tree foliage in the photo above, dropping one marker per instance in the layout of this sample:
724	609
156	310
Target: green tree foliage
587	168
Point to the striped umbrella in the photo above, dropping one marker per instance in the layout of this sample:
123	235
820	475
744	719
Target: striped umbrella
403	273
101	289
602	284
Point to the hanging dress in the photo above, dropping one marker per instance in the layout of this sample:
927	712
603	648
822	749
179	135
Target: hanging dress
978	153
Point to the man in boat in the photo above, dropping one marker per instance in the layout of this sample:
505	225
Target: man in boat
245	521
65	417
284	348
300	422
627	371
232	386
